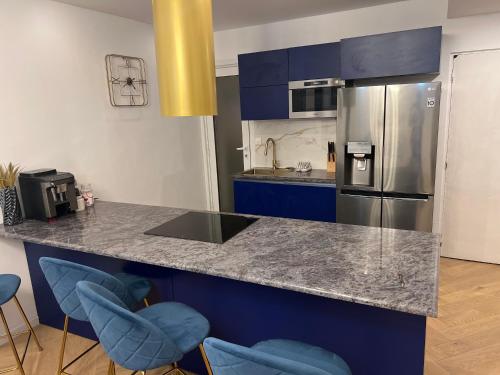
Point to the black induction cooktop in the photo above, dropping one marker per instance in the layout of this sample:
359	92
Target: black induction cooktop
203	226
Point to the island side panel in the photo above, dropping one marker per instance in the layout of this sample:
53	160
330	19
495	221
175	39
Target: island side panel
372	340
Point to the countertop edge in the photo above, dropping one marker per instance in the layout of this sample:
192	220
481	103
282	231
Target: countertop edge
280	179
315	176
428	313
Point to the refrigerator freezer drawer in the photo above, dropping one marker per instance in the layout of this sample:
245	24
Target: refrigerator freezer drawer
359	209
406	213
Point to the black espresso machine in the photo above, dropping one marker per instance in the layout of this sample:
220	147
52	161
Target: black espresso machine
47	194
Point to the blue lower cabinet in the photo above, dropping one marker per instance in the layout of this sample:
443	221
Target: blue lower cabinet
291	200
264	103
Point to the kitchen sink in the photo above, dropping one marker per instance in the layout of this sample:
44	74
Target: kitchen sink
267	172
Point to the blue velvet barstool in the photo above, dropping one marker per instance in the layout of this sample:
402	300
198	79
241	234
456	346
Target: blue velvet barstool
150	338
63	276
273	357
9	285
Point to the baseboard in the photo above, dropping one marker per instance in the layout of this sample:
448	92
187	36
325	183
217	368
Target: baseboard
34	321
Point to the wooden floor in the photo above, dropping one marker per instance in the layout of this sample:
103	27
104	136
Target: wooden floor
465	339
45	362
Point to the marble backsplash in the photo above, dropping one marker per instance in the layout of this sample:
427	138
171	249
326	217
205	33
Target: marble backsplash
296	140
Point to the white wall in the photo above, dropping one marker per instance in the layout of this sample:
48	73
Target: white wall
55	112
461	8
462	34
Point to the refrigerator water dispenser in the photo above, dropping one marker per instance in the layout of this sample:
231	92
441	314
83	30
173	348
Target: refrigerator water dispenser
359	159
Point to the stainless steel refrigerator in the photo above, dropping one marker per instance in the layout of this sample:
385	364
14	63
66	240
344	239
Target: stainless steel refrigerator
386	155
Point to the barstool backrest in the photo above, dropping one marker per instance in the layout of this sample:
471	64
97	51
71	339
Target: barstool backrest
129	340
62	277
227	359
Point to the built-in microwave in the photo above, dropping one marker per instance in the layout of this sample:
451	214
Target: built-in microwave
313	98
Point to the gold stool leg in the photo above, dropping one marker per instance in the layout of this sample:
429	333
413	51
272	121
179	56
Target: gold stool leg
61	369
12	344
111	368
146	302
174	370
26	321
205	359
63	346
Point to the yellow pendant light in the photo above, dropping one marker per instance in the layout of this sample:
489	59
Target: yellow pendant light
185	57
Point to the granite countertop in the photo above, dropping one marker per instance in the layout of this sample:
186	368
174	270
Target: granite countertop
387	268
319	176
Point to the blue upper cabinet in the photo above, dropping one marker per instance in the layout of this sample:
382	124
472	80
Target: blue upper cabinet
264	103
313	62
263	68
393	54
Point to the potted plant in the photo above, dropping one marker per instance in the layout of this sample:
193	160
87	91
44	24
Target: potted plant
9	201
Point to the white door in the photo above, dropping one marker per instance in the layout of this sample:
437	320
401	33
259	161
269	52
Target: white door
471	221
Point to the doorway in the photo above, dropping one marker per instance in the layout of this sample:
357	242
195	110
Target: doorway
471	216
228	138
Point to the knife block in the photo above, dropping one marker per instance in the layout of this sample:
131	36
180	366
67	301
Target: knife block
330	165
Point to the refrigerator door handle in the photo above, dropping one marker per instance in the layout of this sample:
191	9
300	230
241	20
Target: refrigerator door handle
404	196
361	193
408	199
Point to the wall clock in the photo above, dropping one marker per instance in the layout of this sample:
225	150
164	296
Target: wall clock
126	81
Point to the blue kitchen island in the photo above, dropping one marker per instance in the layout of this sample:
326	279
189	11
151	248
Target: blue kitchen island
362	292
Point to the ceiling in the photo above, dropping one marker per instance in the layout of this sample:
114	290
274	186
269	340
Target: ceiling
230	14
464	8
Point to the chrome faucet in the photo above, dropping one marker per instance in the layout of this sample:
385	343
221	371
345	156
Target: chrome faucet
275	162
